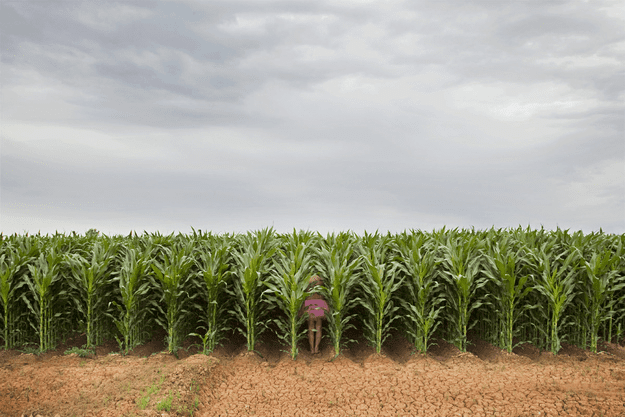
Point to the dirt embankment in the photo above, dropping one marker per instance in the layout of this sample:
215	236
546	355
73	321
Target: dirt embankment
233	382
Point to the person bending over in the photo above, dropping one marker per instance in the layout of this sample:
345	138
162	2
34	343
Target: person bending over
315	306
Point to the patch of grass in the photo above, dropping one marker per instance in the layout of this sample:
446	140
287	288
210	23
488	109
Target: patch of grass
165	405
79	351
195	386
29	349
143	402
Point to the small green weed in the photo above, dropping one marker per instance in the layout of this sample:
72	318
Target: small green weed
29	349
145	400
165	405
82	352
196	405
195	386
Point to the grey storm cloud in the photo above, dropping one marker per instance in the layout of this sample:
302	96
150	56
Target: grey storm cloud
362	115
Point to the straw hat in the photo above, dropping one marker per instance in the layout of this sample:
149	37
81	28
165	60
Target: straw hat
315	279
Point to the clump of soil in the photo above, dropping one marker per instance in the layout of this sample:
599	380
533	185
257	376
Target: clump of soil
233	382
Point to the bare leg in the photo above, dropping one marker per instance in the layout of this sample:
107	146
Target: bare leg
318	323
311	333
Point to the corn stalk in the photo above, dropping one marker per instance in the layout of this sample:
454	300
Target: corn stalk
89	282
287	291
556	288
601	283
618	311
174	277
336	260
463	262
135	307
502	267
379	285
252	264
416	260
214	269
9	285
43	275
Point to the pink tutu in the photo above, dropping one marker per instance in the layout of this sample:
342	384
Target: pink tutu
316	307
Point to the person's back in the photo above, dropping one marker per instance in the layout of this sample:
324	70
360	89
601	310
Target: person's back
316	306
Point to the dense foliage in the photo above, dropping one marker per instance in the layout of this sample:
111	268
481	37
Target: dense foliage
511	286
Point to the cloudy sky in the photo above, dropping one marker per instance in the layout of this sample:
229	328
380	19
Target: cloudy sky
332	115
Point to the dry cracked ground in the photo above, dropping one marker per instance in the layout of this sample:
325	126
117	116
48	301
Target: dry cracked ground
484	381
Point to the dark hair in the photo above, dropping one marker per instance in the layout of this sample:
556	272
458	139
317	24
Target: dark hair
317	281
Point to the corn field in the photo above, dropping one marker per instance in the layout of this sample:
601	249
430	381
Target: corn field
509	286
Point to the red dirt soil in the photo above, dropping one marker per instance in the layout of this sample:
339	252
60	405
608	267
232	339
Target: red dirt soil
485	381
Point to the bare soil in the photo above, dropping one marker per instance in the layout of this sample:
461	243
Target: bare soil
484	381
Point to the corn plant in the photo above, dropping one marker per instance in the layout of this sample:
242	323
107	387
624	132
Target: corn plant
174	278
601	283
9	286
47	298
378	286
337	260
287	291
584	245
90	279
416	259
22	253
214	268
134	285
463	262
618	312
252	263
545	287
555	287
502	267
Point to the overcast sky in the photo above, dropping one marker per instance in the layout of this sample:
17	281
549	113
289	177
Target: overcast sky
232	116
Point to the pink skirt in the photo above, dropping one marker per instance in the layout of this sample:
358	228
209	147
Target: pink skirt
316	307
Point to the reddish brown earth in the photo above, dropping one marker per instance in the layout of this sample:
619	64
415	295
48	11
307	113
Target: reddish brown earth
232	382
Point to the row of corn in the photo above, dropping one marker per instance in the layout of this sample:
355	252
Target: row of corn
510	286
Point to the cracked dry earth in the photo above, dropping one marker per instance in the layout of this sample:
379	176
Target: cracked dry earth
233	382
